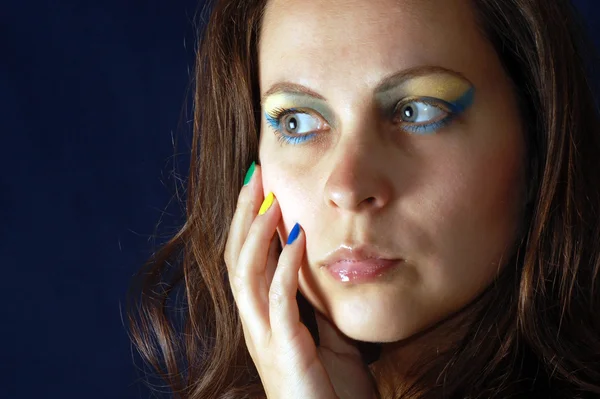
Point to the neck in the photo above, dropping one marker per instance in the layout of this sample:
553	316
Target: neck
402	362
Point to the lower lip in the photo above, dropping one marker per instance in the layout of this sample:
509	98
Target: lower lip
361	271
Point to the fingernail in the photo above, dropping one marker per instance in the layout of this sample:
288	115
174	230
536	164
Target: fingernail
293	234
249	173
266	204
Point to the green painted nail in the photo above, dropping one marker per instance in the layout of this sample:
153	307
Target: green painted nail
249	173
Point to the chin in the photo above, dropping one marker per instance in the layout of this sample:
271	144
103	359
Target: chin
370	333
373	323
372	315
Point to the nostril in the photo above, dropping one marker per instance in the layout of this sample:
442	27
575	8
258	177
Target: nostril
368	202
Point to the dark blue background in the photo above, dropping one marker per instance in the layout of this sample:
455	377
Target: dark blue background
91	96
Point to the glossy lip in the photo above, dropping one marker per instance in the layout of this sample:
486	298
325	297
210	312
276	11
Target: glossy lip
358	264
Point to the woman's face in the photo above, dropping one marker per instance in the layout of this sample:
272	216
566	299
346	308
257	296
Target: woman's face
403	142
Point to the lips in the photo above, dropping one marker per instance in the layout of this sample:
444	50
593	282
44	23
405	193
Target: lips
359	264
361	271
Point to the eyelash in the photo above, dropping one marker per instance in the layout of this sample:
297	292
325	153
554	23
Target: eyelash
274	120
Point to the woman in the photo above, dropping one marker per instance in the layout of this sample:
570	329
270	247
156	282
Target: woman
422	219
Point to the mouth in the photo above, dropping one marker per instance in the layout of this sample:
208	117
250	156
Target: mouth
359	264
369	270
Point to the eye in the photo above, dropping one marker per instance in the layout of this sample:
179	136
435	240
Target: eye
297	123
422	115
294	126
418	112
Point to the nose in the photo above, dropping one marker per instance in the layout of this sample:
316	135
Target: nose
360	175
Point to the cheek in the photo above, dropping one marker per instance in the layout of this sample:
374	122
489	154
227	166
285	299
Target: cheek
474	218
293	192
479	191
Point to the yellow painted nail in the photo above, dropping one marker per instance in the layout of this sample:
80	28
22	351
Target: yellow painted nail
266	204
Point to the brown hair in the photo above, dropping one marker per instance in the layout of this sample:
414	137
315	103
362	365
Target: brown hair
537	328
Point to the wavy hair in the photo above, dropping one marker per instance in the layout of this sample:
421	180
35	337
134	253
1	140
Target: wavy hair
536	330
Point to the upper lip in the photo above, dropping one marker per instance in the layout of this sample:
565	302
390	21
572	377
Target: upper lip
354	253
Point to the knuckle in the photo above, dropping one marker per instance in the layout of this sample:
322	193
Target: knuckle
244	199
255	227
276	297
237	283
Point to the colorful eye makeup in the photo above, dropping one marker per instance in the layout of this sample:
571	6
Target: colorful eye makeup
439	113
297	117
299	125
418	105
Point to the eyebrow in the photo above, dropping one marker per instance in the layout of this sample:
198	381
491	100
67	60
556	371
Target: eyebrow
386	83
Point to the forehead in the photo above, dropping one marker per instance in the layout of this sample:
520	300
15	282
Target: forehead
323	41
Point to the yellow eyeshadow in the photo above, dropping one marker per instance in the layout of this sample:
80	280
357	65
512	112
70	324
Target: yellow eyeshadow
298	101
278	101
440	86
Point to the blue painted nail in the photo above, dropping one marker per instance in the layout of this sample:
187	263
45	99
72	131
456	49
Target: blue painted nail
293	234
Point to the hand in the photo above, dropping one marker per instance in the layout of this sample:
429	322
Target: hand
264	285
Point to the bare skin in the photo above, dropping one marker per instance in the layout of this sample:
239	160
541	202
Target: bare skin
356	167
264	283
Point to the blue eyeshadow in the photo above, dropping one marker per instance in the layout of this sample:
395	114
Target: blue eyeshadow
463	102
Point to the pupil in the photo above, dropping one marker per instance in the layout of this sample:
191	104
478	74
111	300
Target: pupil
408	111
292	124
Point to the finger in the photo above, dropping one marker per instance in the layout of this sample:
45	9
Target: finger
250	287
248	203
252	259
283	309
249	342
272	259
